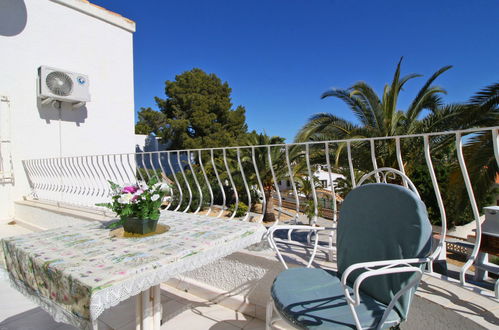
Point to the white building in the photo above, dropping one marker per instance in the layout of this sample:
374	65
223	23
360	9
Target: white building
321	174
72	35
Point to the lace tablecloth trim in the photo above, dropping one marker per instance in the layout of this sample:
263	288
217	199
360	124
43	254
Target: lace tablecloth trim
111	296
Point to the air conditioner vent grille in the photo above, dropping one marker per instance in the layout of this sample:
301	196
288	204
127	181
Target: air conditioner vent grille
59	83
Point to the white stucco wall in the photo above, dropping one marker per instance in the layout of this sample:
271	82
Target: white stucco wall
84	39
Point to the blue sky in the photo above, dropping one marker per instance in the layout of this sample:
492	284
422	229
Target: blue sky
280	55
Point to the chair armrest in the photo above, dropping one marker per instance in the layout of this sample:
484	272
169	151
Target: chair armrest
378	272
273	245
294	227
384	264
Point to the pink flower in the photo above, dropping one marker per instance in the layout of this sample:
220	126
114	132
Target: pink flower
129	189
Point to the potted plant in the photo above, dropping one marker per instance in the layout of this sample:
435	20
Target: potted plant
137	205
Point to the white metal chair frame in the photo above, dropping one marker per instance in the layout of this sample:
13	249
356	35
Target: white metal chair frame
373	268
381	174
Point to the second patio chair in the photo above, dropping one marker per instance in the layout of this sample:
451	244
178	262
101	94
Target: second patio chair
384	239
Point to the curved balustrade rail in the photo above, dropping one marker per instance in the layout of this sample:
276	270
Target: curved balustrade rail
213	178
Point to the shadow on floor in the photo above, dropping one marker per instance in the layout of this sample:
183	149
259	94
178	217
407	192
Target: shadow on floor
33	319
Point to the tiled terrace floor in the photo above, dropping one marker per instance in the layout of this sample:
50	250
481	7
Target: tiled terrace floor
182	310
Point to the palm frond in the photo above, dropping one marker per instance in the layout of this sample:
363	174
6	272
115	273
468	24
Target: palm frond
357	107
371	100
416	106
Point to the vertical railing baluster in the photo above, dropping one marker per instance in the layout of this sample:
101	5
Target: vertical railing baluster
91	176
207	181
443	217
399	160
118	170
78	178
129	179
105	175
219	183
474	208
146	170
71	177
373	159
36	168
84	178
197	183
138	172
29	176
55	178
84	175
133	169
110	164
293	185
279	199
312	184
185	180
350	164
328	164
51	175
180	198
68	181
98	178
153	167
62	176
231	182
257	173
495	143
246	216
164	177
163	172
46	184
36	182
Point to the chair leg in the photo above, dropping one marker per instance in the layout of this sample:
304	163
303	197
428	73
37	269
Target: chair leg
268	316
496	289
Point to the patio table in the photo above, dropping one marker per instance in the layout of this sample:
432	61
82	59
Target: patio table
77	272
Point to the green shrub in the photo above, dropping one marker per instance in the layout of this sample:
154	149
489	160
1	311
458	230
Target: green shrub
241	209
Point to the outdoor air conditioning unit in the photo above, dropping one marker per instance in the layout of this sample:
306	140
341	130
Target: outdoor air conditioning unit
63	86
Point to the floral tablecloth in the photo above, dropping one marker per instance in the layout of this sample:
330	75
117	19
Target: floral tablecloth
77	272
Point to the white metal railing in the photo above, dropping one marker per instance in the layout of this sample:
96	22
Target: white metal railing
215	177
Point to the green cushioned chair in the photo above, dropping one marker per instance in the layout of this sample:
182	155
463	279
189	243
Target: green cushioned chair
383	241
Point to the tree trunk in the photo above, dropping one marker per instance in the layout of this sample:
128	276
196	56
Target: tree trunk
268	211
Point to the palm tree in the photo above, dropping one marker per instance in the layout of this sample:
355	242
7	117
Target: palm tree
305	186
380	116
264	169
377	116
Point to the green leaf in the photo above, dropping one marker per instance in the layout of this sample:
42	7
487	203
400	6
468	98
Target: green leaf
116	224
113	185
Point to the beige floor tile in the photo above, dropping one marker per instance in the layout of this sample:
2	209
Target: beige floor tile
192	321
255	324
180	295
7	230
221	313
